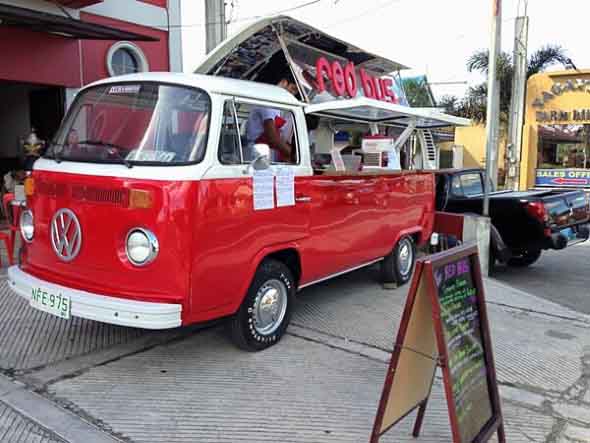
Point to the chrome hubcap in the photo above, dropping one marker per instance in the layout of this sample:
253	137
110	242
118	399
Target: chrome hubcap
270	307
406	257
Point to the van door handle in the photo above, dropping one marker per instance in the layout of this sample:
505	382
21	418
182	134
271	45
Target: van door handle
303	199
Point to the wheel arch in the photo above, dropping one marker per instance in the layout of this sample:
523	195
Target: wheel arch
416	233
287	254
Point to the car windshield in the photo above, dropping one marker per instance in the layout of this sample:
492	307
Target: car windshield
145	123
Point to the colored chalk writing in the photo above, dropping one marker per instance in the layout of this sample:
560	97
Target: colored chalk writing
445	323
461	325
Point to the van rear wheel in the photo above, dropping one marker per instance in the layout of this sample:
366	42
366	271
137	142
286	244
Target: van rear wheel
266	311
398	266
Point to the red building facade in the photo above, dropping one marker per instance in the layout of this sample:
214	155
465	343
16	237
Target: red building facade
48	50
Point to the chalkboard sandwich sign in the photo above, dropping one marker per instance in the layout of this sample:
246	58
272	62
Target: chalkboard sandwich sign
444	324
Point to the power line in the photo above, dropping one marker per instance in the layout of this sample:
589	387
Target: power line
448	83
244	19
366	12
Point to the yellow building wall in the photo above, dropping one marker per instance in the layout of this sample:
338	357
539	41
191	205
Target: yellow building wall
473	140
544	86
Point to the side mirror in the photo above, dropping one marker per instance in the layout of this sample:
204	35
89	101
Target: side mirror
261	157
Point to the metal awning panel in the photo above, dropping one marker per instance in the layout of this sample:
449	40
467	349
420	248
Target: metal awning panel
255	44
12	16
375	111
273	44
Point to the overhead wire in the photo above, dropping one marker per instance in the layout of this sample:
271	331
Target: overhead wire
252	17
364	13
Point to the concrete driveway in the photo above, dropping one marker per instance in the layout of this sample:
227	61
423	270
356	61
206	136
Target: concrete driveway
560	276
79	381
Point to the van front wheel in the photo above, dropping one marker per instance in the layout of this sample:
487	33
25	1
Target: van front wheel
266	311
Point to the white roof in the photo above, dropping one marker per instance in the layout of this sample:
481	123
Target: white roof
377	111
211	84
360	108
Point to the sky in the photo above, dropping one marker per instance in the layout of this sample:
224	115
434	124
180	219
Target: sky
432	37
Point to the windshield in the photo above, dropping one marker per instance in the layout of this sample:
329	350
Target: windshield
144	123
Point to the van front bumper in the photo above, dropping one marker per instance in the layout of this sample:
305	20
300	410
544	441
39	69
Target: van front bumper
102	308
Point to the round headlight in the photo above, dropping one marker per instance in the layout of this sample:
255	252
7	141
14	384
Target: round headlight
141	246
27	227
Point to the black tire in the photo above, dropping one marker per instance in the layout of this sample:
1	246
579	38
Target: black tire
246	329
393	269
523	259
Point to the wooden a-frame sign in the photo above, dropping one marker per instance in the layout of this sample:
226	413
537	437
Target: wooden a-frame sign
444	324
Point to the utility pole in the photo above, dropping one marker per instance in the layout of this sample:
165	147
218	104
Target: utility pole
516	119
216	27
493	115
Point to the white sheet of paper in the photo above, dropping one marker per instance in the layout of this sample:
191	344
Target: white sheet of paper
285	187
263	190
19	193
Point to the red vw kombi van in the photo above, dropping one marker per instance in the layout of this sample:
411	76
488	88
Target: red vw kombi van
153	209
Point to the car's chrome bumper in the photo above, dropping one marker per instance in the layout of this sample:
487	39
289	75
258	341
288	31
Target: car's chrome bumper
118	311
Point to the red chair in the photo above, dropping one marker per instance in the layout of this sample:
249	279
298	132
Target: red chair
12	213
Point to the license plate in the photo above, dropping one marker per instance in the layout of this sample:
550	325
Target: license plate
569	233
56	304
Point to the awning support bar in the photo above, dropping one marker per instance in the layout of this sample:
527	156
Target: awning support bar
405	135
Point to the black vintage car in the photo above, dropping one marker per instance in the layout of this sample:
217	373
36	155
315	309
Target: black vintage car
524	223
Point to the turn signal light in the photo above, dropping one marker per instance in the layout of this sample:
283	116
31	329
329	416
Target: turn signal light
29	186
140	199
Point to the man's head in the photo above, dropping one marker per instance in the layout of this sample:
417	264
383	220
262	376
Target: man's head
73	137
289	85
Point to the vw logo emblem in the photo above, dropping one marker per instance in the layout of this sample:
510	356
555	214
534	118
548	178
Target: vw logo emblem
66	235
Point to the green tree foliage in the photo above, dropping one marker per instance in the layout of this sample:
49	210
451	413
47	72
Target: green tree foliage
473	105
418	92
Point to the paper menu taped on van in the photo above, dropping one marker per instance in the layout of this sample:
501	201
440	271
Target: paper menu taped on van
263	192
285	187
19	193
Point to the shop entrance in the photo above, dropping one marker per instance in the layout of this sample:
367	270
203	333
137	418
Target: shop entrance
563	155
24	106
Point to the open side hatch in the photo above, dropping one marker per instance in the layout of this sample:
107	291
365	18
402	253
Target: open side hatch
376	111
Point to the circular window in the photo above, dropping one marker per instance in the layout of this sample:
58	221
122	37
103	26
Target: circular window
126	58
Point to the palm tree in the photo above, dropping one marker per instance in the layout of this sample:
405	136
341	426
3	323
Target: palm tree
448	103
473	105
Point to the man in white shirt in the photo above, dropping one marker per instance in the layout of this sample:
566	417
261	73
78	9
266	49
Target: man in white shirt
272	127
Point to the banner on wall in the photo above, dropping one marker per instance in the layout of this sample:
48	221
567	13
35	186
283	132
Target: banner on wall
576	178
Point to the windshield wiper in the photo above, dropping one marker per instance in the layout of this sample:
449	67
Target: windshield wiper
114	149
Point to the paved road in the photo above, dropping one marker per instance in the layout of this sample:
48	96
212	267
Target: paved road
559	276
